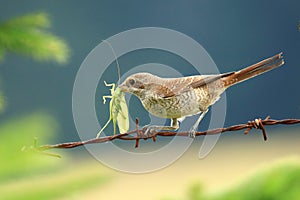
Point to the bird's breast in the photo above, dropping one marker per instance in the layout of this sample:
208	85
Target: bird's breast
176	106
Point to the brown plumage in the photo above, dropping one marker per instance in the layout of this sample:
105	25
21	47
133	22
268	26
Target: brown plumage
179	97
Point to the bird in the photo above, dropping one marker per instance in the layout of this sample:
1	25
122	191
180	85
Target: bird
177	98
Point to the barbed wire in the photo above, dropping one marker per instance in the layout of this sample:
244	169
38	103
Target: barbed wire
139	134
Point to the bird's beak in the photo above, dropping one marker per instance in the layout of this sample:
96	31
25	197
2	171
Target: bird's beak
123	87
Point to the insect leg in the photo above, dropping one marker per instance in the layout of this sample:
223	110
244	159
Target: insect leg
112	85
98	135
106	97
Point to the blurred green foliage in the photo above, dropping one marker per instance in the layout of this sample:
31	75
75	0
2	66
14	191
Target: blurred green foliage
16	133
280	181
68	183
2	102
28	35
195	191
31	175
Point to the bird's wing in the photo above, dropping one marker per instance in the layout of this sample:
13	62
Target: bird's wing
177	87
163	91
208	79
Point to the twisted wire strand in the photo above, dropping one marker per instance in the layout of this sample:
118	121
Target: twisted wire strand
138	134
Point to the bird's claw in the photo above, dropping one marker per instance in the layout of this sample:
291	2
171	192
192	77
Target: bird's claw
192	134
148	131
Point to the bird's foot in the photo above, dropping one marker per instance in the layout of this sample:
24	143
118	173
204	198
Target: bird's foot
192	134
148	131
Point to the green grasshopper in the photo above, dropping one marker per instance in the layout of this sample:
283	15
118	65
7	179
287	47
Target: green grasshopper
118	110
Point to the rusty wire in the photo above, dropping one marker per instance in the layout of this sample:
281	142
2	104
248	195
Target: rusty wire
138	134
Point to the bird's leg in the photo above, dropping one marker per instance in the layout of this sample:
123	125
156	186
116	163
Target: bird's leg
149	130
195	126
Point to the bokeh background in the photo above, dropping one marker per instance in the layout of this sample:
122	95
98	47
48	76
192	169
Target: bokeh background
37	92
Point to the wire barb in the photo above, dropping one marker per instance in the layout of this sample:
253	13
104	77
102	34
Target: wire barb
140	133
258	124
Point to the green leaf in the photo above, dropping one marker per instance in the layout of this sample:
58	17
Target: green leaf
35	20
28	35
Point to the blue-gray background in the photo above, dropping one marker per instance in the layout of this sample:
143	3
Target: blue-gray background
235	34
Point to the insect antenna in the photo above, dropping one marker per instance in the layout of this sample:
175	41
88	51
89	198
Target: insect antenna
116	58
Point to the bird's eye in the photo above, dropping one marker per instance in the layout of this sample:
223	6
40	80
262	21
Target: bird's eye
131	81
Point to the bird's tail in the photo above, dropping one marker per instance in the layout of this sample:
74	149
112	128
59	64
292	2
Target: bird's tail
253	70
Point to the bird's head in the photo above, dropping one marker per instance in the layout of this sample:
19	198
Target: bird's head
138	84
